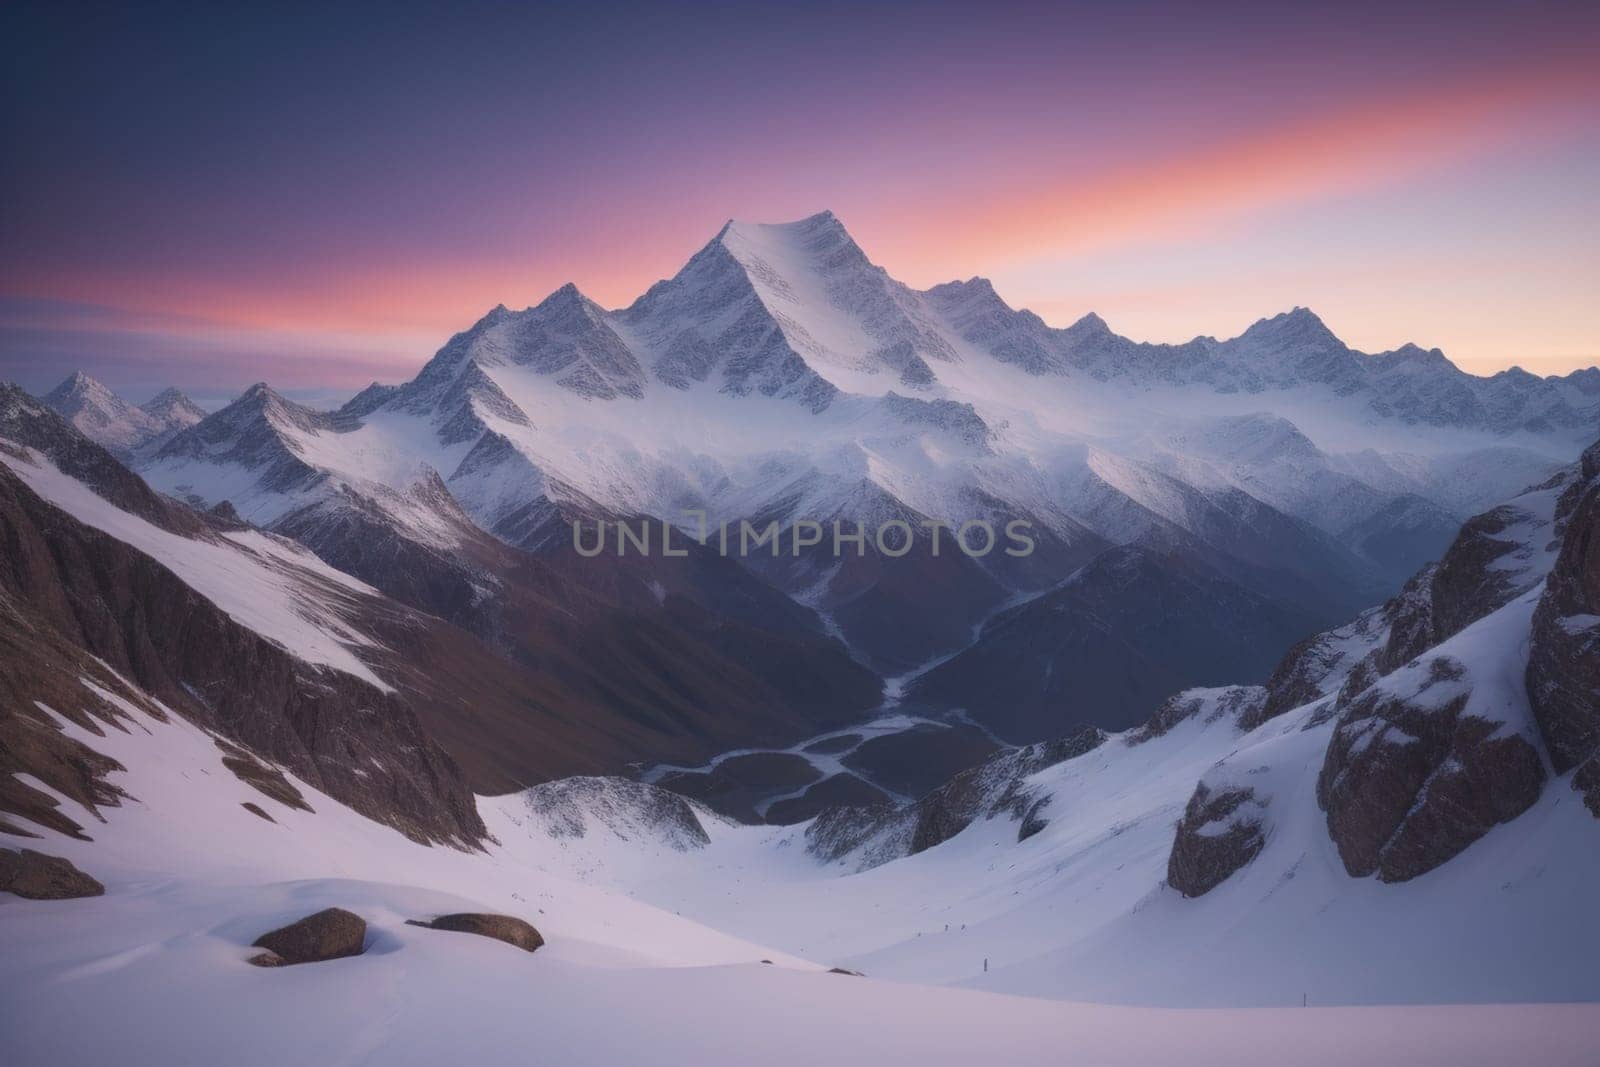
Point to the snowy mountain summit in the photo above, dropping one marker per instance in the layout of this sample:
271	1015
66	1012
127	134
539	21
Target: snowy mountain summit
105	417
798	311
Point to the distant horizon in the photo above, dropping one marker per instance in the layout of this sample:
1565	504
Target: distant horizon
330	396
316	199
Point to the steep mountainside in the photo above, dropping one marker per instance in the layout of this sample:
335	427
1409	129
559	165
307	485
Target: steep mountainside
588	683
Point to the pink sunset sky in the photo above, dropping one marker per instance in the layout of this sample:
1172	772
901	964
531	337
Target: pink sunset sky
320	199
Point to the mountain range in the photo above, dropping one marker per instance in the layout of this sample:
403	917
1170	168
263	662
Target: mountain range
1247	492
122	427
208	731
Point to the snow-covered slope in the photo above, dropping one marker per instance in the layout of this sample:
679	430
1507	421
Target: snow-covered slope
266	584
192	877
1380	848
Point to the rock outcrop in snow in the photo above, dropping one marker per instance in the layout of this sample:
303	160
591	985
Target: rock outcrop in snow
1427	761
36	876
1219	833
876	834
631	811
1564	659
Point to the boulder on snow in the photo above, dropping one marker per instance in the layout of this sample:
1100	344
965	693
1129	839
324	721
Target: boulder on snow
1221	831
841	970
330	934
37	876
507	928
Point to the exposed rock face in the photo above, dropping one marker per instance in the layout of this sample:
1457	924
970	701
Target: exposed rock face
1410	622
1360	678
1564	655
1468	585
39	667
140	618
257	775
507	928
330	934
1318	665
1410	779
1221	831
1496	557
880	833
1587	782
40	877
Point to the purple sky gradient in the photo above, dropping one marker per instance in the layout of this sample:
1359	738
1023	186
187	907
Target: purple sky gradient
320	196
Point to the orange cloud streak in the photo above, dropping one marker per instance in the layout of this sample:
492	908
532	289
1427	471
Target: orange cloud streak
1375	144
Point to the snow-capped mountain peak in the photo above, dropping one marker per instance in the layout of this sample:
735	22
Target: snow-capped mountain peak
1299	325
102	415
1090	324
80	393
174	408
